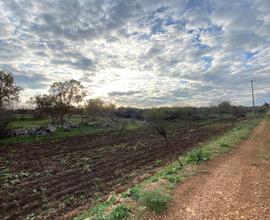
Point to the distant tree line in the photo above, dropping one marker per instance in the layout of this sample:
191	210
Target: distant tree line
68	97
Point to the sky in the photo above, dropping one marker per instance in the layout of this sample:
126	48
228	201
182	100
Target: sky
141	53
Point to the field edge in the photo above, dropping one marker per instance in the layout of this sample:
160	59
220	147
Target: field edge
168	177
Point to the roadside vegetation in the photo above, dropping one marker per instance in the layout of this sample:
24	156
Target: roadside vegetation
154	193
66	151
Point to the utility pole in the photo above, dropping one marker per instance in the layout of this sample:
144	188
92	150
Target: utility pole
253	100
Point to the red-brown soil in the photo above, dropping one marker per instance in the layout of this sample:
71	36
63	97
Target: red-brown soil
48	179
233	186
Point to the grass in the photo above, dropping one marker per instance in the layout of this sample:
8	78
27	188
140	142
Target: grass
120	212
135	193
27	123
155	200
197	155
167	178
265	155
60	133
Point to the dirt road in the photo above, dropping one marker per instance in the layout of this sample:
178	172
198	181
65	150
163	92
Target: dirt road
233	186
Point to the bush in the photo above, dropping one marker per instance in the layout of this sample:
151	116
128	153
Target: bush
156	200
120	212
197	156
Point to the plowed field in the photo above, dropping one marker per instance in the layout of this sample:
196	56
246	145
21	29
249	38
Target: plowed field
48	179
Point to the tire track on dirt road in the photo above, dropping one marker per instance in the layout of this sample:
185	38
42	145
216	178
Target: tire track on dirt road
232	186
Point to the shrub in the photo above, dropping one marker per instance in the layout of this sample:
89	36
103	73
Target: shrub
197	156
120	212
156	200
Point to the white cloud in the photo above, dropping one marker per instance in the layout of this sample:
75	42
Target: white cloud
158	52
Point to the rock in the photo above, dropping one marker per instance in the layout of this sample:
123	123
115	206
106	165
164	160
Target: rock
51	129
66	128
74	125
92	124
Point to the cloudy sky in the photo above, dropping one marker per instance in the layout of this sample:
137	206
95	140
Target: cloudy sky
140	52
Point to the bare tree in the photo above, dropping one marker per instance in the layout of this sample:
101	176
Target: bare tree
154	118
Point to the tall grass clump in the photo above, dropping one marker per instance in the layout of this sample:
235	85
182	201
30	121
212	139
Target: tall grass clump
156	200
121	212
197	155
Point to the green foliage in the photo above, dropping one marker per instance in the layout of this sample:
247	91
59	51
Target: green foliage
156	200
99	210
225	145
120	212
173	178
58	135
172	170
27	123
158	162
197	155
135	193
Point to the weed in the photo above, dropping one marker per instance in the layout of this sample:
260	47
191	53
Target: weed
124	194
154	179
173	178
156	200
135	193
197	156
44	198
68	200
86	168
120	212
225	145
264	156
171	186
158	162
171	170
31	216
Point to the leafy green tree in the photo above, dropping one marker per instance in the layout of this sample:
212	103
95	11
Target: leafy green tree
98	108
65	94
225	107
9	91
61	98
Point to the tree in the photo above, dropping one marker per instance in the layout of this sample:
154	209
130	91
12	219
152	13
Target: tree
98	108
94	107
9	91
225	107
62	96
154	118
45	106
65	94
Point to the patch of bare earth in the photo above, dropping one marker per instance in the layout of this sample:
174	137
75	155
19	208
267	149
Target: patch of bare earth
235	186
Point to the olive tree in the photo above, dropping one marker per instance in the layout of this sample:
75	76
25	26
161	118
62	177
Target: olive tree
62	96
9	93
154	119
